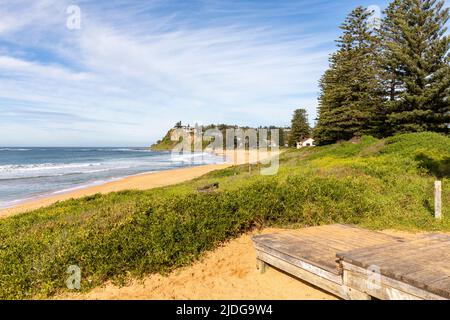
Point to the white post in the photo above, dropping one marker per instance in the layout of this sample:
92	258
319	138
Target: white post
437	199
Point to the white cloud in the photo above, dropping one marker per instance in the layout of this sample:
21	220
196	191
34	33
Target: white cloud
18	66
152	70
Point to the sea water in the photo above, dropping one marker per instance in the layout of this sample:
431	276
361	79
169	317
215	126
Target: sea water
28	173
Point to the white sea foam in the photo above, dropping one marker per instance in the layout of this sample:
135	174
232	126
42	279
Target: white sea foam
21	180
194	157
44	166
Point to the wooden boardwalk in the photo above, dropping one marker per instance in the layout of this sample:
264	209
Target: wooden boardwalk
354	263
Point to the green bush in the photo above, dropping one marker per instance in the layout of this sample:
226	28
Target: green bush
373	183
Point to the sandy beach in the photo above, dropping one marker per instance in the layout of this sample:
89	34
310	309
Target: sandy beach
228	272
142	181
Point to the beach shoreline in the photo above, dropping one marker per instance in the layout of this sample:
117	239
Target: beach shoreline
135	182
142	181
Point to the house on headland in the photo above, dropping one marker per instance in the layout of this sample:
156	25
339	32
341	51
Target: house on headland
308	142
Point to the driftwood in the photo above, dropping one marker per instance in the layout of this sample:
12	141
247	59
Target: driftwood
209	187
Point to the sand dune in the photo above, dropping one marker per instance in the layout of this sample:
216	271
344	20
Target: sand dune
229	272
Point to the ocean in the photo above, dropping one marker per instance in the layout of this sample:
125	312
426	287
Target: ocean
28	173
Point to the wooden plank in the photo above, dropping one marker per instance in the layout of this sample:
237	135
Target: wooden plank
330	241
312	278
393	289
441	284
318	245
261	266
429	277
423	263
383	292
409	269
295	248
425	247
369	251
396	262
304	264
285	246
348	236
345	235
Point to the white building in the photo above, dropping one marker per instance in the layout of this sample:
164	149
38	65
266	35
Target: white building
309	142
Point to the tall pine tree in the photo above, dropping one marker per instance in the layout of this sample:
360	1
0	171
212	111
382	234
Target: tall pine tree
351	99
415	60
300	128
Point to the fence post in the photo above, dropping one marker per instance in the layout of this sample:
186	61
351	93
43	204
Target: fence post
437	199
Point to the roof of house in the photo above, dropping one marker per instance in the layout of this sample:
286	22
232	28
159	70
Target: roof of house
306	139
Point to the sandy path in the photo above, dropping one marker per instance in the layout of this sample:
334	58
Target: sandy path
228	272
138	182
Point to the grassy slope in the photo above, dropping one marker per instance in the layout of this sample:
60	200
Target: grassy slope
165	144
376	183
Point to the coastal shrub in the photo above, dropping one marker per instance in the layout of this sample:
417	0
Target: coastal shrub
134	233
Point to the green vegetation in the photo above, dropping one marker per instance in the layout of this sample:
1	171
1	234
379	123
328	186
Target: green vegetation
415	60
388	80
373	183
300	128
165	144
351	96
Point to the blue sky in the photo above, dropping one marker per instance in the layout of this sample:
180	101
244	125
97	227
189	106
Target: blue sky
137	67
